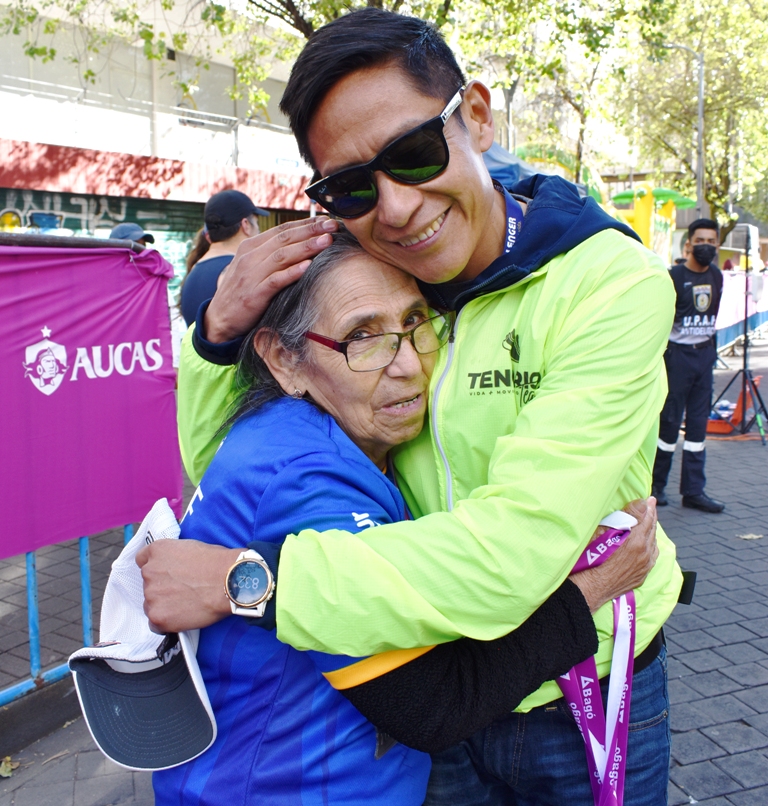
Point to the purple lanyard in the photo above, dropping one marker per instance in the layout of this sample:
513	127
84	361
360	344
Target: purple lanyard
514	220
605	738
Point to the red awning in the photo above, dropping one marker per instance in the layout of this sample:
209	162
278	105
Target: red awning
39	166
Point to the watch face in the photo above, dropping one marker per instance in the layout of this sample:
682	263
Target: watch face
248	583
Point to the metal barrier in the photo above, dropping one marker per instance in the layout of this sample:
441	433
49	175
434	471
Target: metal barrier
37	678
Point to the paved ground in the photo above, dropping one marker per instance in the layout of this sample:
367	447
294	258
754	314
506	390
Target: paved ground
58	576
66	769
718	648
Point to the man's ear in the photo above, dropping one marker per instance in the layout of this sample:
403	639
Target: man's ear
477	114
278	360
248	228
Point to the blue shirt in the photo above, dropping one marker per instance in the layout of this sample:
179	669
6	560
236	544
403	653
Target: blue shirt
285	736
200	284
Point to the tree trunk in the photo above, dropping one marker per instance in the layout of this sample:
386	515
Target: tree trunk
580	149
509	94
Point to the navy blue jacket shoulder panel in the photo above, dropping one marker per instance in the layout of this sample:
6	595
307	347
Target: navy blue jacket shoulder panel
557	219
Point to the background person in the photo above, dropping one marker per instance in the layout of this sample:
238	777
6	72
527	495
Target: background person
303	451
562	321
230	217
200	247
131	232
690	360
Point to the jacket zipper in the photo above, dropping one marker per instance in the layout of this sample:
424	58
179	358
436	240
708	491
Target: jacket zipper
438	387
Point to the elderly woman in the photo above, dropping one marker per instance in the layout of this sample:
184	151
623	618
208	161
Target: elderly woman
332	378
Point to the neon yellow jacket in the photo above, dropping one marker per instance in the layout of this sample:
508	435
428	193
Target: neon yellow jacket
543	418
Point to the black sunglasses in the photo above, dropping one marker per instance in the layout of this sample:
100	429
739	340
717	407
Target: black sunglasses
413	158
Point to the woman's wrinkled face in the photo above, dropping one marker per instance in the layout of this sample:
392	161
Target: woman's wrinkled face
380	409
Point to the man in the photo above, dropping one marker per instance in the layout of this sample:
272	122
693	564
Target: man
131	232
543	411
230	217
690	359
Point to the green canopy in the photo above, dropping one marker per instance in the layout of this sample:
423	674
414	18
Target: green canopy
661	195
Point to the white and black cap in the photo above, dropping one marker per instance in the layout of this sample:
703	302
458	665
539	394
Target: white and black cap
142	694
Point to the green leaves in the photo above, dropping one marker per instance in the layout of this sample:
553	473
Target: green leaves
214	14
154	45
658	97
7	767
573	73
45	53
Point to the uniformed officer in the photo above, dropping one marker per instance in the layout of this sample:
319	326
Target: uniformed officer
690	358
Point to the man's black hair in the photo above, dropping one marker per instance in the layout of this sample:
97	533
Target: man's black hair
360	39
702	223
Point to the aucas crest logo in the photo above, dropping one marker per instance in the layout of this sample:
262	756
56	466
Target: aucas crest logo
46	364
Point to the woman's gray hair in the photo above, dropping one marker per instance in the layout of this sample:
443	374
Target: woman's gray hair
292	312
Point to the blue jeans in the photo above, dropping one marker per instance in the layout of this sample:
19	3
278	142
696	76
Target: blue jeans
538	758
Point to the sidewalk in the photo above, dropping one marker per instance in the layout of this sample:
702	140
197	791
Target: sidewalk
718	670
718	646
65	769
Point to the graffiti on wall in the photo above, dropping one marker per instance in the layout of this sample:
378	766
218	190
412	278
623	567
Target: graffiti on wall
76	213
84	214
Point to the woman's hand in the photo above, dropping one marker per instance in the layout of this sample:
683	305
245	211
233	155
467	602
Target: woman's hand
262	266
628	567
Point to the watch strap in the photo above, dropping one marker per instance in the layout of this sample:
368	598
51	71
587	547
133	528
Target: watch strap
250	612
271	554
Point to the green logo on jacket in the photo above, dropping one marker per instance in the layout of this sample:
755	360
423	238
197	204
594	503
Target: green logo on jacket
495	381
512	343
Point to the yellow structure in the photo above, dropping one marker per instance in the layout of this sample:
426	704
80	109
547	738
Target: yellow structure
653	215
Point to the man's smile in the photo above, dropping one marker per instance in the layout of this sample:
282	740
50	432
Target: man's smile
431	230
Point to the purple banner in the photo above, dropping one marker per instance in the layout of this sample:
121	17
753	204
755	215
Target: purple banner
87	410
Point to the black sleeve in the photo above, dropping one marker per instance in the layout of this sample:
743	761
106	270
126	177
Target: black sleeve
270	553
224	354
455	689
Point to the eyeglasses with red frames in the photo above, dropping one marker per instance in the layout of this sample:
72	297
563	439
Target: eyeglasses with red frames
369	353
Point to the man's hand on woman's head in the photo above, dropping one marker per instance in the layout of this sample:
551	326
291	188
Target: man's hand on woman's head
184	583
628	567
262	266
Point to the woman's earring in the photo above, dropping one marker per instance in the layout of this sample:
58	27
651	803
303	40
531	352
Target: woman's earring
297	394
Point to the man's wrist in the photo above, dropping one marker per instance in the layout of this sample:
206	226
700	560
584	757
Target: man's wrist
214	329
222	353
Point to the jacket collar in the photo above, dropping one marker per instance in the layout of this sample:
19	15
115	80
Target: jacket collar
557	219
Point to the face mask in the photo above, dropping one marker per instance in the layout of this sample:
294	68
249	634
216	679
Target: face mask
704	253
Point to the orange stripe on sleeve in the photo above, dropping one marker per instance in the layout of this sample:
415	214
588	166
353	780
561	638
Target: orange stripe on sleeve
370	668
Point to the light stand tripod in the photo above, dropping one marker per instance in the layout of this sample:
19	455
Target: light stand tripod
745	373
